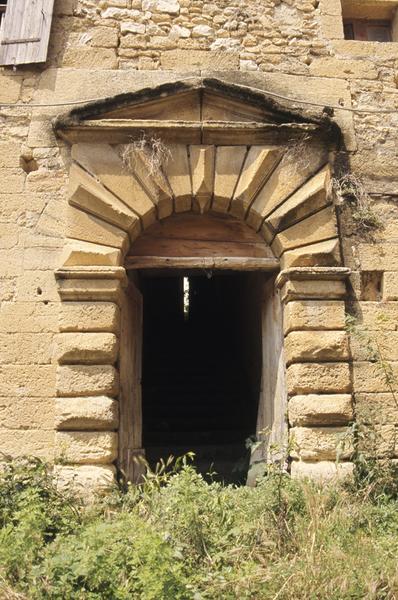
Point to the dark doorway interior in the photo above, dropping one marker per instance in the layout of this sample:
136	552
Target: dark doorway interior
202	368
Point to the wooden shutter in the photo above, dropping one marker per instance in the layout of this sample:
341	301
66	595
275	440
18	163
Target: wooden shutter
130	409
25	31
271	417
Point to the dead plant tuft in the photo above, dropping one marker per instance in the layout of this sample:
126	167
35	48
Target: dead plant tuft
150	150
350	190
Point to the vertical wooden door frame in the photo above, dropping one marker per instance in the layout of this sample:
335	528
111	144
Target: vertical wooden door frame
271	428
131	452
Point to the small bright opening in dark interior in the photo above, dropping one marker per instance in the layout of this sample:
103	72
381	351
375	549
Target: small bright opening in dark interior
201	369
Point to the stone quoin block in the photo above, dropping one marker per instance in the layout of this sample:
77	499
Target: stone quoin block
320	409
322	471
313	346
95	348
321	443
86	447
89	316
87	380
98	412
323	378
313	315
85	479
313	289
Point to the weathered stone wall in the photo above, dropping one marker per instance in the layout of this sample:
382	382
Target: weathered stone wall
98	49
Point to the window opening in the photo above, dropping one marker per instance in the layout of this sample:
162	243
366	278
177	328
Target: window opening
3	7
367	30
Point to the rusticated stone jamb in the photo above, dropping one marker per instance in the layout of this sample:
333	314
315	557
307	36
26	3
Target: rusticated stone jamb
318	374
87	347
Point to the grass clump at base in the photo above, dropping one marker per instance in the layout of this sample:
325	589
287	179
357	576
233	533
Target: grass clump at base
180	537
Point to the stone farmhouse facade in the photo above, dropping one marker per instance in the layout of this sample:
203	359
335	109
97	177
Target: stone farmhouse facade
251	144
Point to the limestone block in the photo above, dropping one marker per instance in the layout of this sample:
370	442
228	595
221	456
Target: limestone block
87	413
41	259
30	442
151	177
390	285
320	226
36	286
87	380
229	161
10	152
103	37
26	348
183	60
379	315
10	88
373	257
384	343
84	57
320	254
321	443
320	409
345	68
202	173
11	262
77	253
89	316
12	180
107	290
323	471
87	228
177	172
292	172
171	7
371	377
28	317
356	48
313	315
13	207
85	480
88	194
94	348
309	378
332	27
86	447
301	346
27	380
104	163
312	196
27	413
313	289
259	164
371	408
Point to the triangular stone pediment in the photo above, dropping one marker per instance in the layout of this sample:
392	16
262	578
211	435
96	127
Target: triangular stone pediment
193	111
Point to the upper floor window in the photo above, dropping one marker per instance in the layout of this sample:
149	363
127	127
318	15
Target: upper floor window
3	6
370	20
367	31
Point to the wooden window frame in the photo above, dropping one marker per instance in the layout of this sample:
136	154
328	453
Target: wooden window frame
360	29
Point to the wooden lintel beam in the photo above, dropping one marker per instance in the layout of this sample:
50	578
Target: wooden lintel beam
225	263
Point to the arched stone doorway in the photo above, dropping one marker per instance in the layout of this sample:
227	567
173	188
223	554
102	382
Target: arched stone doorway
233	153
